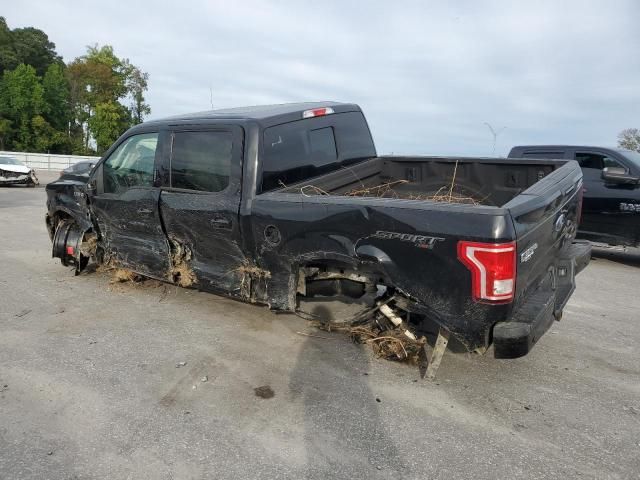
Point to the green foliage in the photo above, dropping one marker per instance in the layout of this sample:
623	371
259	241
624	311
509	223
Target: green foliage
137	85
21	99
79	108
44	137
5	131
22	95
629	138
8	56
30	46
56	97
107	122
99	82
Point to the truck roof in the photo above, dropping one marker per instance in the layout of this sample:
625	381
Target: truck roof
266	115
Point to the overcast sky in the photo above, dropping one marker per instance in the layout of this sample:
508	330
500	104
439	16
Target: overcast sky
427	74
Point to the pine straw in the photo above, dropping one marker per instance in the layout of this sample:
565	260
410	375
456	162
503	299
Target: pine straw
183	275
445	194
391	344
247	273
119	274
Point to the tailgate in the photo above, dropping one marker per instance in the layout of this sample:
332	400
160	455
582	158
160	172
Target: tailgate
545	218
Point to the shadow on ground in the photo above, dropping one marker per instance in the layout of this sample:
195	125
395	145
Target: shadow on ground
353	437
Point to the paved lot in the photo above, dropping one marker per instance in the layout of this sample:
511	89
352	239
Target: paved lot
89	386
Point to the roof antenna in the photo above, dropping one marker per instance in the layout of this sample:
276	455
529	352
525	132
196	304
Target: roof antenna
495	134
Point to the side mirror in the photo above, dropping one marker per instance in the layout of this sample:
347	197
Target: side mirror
94	185
618	175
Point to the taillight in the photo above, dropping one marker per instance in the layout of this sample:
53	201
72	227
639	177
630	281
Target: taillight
317	112
493	270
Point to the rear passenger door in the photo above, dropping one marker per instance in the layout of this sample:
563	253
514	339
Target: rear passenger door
200	201
602	219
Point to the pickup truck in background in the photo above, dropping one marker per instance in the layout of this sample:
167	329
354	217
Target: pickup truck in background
611	203
279	203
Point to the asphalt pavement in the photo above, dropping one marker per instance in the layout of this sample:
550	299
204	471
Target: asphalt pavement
151	381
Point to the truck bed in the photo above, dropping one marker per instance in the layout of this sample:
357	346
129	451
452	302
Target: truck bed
473	181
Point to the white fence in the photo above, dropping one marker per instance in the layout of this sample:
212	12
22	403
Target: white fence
46	161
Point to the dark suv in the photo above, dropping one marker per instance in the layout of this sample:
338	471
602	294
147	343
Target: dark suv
611	205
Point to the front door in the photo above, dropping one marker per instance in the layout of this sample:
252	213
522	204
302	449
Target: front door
604	217
125	206
199	206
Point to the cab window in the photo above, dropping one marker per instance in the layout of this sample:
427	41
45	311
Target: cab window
201	160
596	161
131	164
551	155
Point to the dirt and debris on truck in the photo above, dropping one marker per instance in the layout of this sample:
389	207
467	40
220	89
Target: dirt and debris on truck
283	203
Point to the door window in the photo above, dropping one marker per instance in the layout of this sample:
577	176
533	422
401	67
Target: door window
131	164
201	160
596	161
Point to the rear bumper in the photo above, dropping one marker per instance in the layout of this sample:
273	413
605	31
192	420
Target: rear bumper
517	336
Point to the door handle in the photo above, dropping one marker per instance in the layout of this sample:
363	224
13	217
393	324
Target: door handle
221	222
145	210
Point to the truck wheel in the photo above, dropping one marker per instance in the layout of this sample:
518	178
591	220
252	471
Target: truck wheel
66	245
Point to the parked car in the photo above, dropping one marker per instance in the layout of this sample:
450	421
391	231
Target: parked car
611	204
14	172
276	203
78	170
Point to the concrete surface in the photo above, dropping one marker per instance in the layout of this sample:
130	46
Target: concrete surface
89	387
46	176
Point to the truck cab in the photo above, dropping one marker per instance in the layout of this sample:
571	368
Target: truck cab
611	201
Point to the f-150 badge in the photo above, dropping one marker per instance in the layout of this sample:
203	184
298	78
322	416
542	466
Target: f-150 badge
526	255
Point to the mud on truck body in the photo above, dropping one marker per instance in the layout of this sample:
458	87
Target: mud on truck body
279	203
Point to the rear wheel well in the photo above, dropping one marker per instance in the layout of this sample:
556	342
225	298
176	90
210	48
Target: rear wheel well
335	278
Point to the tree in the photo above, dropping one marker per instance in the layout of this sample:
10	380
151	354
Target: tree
137	85
629	138
8	57
78	108
29	45
106	124
21	99
5	131
56	97
44	137
99	81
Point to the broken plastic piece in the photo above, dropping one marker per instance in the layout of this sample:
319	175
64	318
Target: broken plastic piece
438	352
396	320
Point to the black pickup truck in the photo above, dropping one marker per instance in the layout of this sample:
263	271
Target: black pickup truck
611	205
276	203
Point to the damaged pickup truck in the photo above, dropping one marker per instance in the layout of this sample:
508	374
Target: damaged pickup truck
277	204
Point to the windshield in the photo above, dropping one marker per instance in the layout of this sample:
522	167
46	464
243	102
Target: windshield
632	156
10	161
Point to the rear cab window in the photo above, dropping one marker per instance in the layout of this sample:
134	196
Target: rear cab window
303	149
549	155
